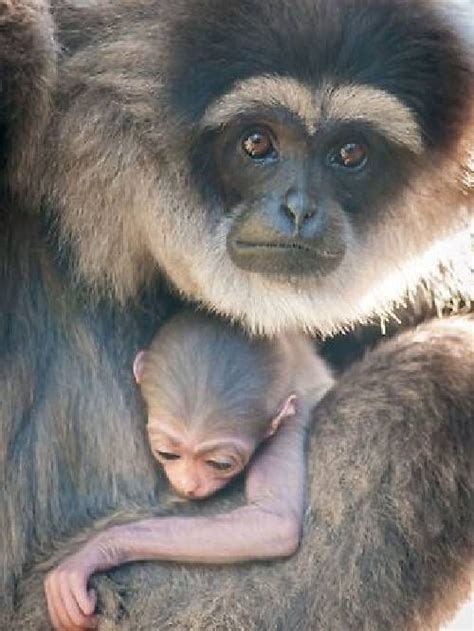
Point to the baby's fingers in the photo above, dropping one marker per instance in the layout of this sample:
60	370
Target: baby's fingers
50	600
85	599
71	609
92	600
57	612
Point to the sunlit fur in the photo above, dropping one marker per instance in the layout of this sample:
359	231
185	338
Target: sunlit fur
357	290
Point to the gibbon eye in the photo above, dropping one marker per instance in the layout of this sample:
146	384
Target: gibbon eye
219	466
258	144
351	156
167	455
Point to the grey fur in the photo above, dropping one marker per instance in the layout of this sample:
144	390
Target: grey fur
98	205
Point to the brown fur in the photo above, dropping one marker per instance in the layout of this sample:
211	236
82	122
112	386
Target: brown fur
347	514
98	204
28	71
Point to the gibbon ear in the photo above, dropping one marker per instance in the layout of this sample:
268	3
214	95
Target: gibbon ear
286	410
139	366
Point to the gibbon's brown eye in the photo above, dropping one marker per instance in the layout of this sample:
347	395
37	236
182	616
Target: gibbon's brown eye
350	156
258	144
219	466
167	455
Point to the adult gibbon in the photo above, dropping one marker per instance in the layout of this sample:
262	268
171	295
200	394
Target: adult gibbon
287	164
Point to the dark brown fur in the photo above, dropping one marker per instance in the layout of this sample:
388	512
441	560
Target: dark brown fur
97	208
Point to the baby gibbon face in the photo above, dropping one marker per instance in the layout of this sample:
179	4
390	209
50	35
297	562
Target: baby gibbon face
197	465
201	458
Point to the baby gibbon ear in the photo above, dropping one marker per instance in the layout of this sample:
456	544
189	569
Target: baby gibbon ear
286	410
139	366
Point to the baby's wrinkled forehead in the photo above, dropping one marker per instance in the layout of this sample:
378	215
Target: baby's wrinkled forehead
211	422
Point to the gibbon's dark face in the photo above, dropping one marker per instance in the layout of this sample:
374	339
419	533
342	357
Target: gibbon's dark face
294	189
292	162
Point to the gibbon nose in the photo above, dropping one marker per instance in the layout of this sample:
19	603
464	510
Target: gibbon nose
189	489
186	481
297	208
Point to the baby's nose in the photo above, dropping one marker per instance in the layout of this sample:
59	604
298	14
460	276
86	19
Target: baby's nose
190	487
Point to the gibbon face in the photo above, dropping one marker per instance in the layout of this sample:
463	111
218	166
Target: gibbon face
286	164
299	185
322	153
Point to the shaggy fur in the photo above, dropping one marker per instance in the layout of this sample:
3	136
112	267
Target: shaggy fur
103	108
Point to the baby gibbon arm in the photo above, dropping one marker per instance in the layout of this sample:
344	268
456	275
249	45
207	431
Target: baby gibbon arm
268	526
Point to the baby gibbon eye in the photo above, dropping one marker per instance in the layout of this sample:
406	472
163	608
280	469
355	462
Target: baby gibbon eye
352	156
220	466
258	144
167	455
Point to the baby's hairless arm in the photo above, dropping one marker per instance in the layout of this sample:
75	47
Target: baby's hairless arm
268	526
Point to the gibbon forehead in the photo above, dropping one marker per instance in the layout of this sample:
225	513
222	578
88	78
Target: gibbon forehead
314	108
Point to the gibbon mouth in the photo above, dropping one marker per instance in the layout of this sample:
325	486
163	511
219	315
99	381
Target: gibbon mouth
288	246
